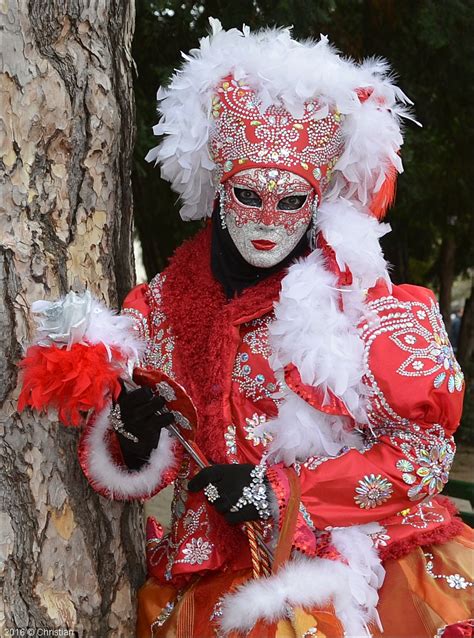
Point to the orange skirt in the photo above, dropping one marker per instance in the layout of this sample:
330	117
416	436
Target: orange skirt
423	592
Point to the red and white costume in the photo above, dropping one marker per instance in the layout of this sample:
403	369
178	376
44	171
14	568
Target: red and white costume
327	369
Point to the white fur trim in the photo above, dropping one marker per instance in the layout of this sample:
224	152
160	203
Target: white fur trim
311	332
120	483
282	71
313	583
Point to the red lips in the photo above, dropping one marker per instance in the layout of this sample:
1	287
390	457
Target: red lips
263	244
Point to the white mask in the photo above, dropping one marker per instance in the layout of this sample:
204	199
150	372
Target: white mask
267	211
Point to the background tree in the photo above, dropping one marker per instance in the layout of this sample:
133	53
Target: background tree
430	47
69	558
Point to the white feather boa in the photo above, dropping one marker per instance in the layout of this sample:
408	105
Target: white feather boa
313	333
282	71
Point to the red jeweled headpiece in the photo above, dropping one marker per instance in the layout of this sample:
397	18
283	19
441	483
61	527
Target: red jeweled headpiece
247	136
262	99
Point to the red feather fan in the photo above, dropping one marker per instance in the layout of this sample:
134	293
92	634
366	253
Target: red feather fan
72	381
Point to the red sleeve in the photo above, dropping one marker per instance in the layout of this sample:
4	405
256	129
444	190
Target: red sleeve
416	401
360	487
136	305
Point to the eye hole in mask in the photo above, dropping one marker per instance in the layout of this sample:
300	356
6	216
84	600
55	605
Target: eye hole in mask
247	197
292	202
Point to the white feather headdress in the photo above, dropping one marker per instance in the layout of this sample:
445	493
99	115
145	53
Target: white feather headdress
289	73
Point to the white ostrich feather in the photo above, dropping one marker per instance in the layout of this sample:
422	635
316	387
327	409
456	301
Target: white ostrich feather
287	72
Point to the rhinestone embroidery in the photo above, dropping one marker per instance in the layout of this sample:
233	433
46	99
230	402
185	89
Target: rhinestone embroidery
160	347
255	387
245	132
165	613
380	538
429	349
421	341
140	323
257	339
422	516
431	452
372	491
257	439
196	552
455	581
230	443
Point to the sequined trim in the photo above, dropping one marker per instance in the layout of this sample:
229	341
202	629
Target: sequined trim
161	344
140	323
255	386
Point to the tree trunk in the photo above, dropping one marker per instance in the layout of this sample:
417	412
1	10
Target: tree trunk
466	332
446	277
68	558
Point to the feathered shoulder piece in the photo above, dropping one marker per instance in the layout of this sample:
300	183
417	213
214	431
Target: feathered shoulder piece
244	99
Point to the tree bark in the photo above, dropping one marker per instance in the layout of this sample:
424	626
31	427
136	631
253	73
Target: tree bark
466	332
68	558
446	277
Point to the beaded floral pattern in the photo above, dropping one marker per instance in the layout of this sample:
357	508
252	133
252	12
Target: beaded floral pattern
454	581
255	386
257	338
425	340
197	551
428	458
417	329
188	541
246	135
161	344
373	490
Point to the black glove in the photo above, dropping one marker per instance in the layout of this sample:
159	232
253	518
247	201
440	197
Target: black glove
229	480
140	412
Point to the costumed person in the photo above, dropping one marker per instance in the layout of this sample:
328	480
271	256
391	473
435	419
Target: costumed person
326	397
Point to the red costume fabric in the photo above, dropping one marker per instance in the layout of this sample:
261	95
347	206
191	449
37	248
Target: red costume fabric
218	350
407	458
